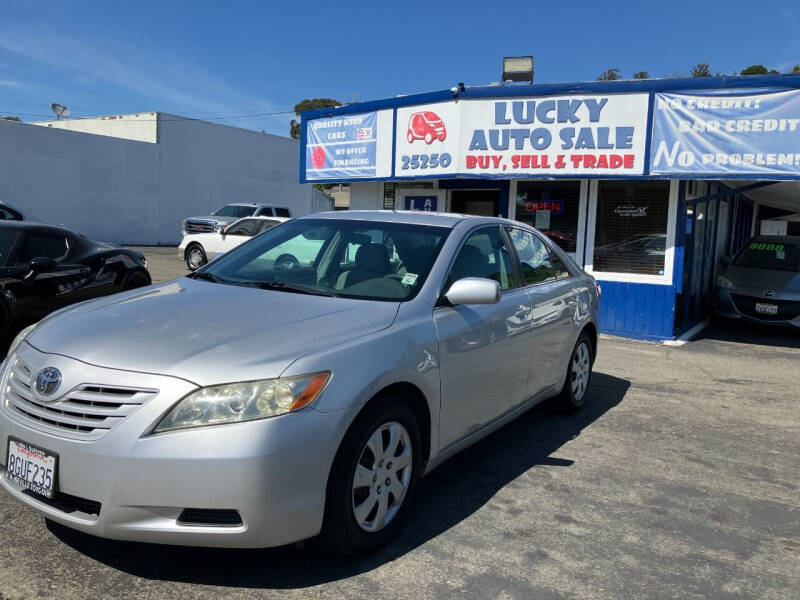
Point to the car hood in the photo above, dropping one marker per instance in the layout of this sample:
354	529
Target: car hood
206	332
764	278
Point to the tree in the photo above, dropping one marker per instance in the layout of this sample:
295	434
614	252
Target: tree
12	118
758	70
609	75
294	128
795	70
700	70
641	75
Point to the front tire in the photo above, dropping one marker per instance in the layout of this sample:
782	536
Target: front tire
579	374
195	257
373	478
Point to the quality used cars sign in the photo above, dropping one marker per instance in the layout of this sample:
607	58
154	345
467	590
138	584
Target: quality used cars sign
558	135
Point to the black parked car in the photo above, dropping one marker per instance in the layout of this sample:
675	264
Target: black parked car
43	268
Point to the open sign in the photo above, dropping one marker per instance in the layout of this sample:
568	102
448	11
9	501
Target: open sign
554	206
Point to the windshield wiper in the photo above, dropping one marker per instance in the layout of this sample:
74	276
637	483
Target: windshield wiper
288	287
206	276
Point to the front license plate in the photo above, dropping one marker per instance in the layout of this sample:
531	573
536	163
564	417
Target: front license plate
31	467
767	309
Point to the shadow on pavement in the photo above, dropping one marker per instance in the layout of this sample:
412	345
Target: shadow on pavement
446	497
751	333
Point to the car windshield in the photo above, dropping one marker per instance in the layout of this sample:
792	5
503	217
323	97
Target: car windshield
335	257
773	255
231	210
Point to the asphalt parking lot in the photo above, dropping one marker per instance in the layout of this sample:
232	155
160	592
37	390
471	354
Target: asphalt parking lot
679	479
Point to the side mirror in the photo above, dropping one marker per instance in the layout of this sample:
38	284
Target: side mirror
473	290
725	260
42	264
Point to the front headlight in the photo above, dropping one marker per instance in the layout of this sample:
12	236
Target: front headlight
246	401
724	282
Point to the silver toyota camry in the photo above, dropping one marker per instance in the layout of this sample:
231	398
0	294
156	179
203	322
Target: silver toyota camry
258	401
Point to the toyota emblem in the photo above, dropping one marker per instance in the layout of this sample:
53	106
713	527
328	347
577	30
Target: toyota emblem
769	293
47	381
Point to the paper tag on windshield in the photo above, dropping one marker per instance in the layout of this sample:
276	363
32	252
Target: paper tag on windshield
409	278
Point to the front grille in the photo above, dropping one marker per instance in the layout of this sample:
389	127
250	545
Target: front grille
67	503
787	309
199	226
210	517
87	412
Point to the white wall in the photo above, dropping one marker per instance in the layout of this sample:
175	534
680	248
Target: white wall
135	192
103	187
366	195
205	165
142	127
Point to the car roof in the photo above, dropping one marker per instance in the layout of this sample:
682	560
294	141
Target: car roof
266	218
254	204
36	227
438	219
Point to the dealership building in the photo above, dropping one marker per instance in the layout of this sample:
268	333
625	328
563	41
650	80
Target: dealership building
647	184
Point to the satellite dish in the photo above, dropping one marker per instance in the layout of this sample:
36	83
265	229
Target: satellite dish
59	109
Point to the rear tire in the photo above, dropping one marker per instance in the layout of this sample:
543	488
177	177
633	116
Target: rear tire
134	280
195	257
579	374
286	262
362	510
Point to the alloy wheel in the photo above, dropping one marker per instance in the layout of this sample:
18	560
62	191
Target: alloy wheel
195	258
382	476
581	370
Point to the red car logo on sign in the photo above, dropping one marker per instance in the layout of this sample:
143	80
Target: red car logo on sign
426	125
318	157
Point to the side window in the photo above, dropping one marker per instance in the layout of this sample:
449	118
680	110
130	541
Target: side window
266	224
35	246
6	214
539	263
246	227
266	212
485	254
283	212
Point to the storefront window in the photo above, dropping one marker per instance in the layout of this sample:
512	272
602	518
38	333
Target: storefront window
389	188
552	207
631	230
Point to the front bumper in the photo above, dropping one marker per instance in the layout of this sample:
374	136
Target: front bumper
738	305
266	470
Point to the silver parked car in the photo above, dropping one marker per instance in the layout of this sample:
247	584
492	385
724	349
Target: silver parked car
249	405
762	283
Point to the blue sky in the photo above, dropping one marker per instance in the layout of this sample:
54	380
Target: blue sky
236	57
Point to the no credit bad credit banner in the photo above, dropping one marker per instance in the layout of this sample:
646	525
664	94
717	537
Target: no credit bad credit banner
724	134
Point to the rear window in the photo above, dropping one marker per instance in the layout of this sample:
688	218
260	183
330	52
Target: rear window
775	256
238	212
282	212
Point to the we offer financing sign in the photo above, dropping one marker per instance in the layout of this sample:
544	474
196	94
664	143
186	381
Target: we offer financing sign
505	138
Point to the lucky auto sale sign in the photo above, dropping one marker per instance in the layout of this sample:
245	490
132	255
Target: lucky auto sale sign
508	138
